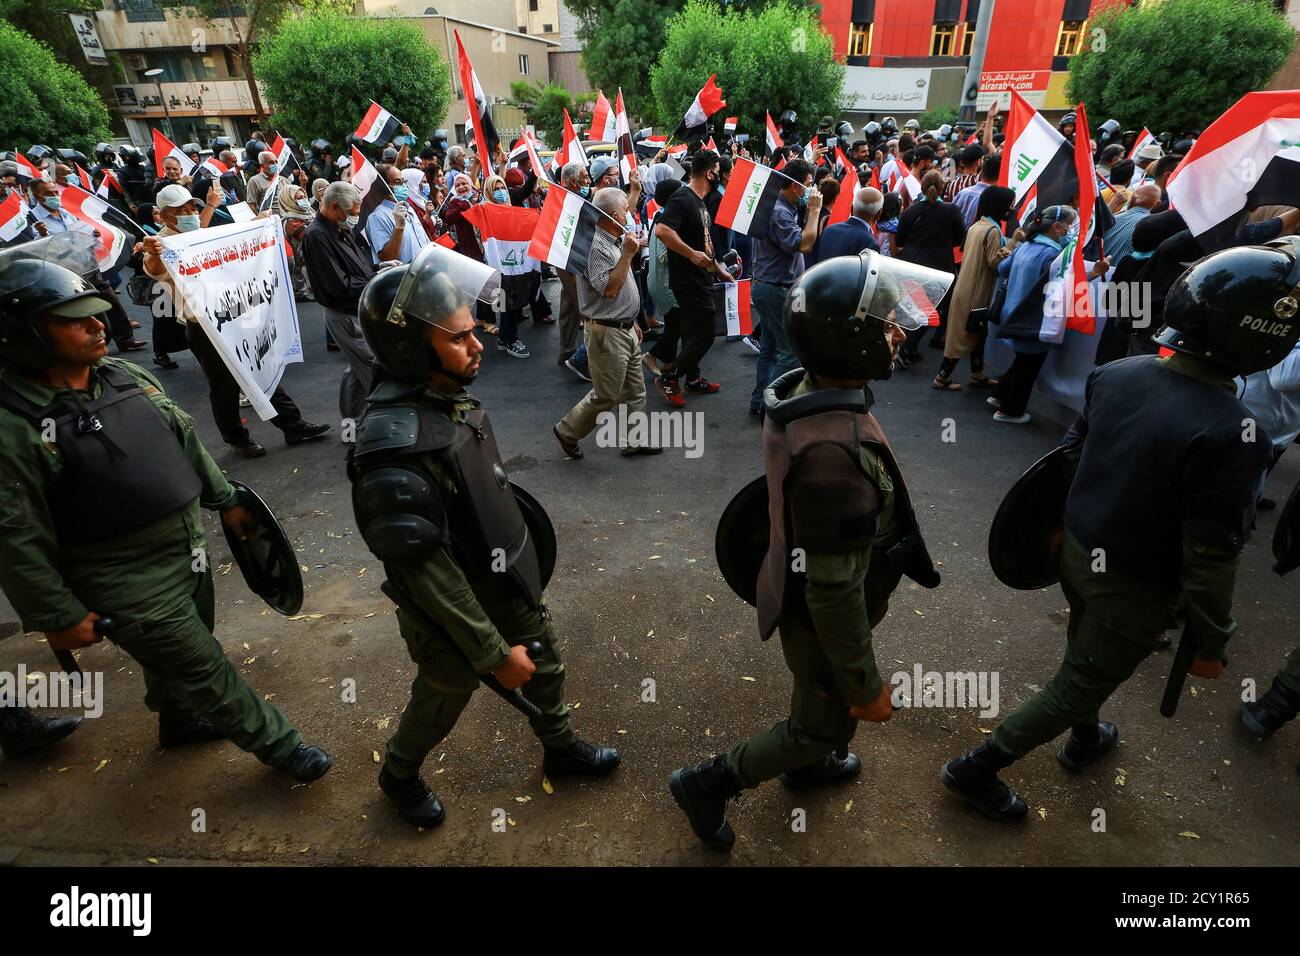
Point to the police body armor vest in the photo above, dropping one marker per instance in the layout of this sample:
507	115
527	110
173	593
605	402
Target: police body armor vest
821	500
399	508
123	466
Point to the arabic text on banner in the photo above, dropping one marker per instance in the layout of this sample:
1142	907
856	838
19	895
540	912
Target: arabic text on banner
235	279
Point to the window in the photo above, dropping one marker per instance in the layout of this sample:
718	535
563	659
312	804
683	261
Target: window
523	28
548	28
523	62
942	42
532	5
859	39
967	38
1071	37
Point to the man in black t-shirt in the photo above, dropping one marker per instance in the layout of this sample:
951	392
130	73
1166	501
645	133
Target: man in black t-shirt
684	227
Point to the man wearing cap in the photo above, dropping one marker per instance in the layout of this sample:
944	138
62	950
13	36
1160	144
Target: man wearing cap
179	213
1147	155
100	525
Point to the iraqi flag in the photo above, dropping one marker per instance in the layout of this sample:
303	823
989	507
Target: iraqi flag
527	146
1036	154
374	189
843	207
904	177
506	233
774	141
164	148
109	185
485	132
1145	138
747	205
647	147
378	125
213	167
731	308
729	124
623	138
13	216
1244	160
603	122
571	150
27	170
113	249
1079	313
564	231
284	156
707	102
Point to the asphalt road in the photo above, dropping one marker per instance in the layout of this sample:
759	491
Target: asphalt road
637	595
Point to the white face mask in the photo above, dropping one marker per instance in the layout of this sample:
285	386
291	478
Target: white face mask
351	221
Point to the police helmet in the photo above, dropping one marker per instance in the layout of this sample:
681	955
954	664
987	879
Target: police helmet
105	153
889	125
1237	309
837	311
39	152
191	149
32	289
221	143
398	303
130	154
1108	130
871	130
319	147
844	130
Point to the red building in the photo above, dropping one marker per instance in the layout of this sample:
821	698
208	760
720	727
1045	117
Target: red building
907	56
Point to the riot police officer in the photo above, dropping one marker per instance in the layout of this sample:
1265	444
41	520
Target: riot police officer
848	536
1161	503
320	165
100	523
433	502
105	160
136	178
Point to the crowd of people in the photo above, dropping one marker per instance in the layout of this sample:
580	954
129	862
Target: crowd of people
644	299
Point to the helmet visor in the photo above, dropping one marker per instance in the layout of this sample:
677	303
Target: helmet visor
439	281
72	250
901	293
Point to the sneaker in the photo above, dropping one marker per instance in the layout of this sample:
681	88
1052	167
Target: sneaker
672	392
702	387
515	349
578	368
1011	419
995	402
751	343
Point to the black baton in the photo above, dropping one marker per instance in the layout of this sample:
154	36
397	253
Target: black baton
68	662
514	698
1178	672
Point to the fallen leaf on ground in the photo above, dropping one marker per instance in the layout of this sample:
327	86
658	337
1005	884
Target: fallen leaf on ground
752	680
102	764
546	786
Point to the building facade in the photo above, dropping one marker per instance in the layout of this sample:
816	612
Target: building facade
910	56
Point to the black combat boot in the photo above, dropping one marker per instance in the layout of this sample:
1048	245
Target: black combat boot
702	792
306	763
1264	717
831	770
975	776
177	730
1085	745
415	802
22	732
579	759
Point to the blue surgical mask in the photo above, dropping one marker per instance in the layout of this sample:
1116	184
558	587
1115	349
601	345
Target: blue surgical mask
74	179
584	192
400	193
53	202
424	191
272	169
501	196
629	224
187	223
803	199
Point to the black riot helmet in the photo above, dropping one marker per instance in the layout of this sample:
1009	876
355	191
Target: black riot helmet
32	288
844	130
871	131
398	303
789	118
1108	131
191	150
889	125
319	147
130	155
39	152
105	153
836	312
1237	309
220	143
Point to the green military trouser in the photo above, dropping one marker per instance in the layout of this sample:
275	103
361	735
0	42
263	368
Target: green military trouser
819	721
445	681
187	673
1114	623
1289	676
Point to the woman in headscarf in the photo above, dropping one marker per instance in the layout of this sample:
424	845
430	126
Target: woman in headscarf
521	184
887	224
664	351
518	287
985	248
317	190
294	209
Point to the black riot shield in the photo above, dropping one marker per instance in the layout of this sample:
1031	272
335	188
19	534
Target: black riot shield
266	558
1286	536
742	538
1029	527
540	530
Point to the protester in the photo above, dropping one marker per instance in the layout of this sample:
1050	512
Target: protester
853	235
928	231
967	200
256	187
575	178
887	223
1118	241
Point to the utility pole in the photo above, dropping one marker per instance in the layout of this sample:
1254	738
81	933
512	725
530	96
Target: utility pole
971	88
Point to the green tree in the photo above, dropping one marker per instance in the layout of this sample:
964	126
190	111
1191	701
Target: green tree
545	105
621	42
321	70
933	119
45	101
1177	66
774	58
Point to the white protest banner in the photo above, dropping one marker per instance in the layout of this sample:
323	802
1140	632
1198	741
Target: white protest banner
235	280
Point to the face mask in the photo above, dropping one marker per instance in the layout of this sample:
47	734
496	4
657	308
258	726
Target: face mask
424	191
74	179
1073	231
187	223
803	199
53	202
629	224
584	192
501	196
304	205
351	221
400	193
272	169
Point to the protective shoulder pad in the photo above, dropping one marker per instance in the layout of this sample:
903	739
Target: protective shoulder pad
832	506
400	513
396	430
